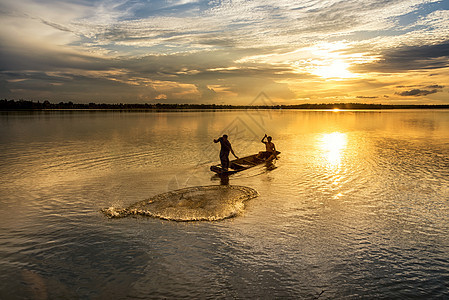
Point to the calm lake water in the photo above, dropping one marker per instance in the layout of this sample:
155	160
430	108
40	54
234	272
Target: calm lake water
357	206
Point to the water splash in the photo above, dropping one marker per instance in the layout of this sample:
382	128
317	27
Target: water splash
200	203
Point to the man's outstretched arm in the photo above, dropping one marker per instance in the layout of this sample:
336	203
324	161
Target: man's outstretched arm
232	151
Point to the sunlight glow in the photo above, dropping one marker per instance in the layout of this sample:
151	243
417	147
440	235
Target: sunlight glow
333	145
337	69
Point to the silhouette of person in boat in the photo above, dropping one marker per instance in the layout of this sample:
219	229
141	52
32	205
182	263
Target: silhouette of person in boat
224	151
270	149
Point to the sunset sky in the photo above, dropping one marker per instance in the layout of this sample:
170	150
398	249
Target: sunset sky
225	52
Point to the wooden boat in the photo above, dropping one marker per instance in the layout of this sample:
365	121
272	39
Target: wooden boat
240	164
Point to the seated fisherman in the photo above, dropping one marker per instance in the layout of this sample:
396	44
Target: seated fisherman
270	152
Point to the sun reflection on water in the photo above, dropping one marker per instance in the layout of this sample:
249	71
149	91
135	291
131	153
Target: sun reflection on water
333	144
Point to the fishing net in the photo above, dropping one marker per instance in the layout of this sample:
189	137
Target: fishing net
200	203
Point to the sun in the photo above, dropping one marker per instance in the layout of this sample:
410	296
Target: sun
335	69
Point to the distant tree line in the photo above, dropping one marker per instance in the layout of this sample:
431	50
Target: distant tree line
31	105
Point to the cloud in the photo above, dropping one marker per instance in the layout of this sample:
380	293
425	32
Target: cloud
417	92
189	25
402	59
206	51
241	23
427	90
435	86
4	90
208	94
367	97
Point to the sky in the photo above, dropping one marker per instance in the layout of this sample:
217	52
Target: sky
225	52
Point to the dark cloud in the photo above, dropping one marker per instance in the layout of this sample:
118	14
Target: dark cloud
417	92
410	58
366	97
4	90
436	86
182	77
208	95
70	87
15	57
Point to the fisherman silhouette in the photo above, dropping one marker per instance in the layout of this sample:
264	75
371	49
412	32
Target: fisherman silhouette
224	151
270	149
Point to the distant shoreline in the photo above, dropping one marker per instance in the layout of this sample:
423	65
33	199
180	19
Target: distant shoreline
11	105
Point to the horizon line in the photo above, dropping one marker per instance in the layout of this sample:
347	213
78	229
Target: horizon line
47	105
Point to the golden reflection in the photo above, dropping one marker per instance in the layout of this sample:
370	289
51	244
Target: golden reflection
333	145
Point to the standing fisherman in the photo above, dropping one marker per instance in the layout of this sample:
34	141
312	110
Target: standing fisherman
224	151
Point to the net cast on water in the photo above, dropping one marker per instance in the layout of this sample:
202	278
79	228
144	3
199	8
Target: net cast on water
200	203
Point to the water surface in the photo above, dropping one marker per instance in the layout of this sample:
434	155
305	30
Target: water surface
357	206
